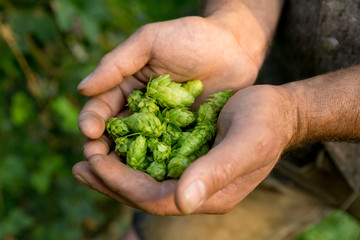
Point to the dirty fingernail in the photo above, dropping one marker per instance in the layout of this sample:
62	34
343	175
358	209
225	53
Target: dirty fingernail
194	195
81	180
83	82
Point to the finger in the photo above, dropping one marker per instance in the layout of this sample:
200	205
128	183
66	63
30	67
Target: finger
239	154
100	145
227	198
135	186
100	108
83	173
92	117
125	60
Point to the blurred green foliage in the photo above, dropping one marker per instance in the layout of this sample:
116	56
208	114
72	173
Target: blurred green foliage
46	48
339	225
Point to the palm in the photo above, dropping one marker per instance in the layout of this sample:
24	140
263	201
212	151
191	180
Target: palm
252	134
196	48
186	48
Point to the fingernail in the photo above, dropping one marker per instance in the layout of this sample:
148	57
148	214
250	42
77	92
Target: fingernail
194	195
83	82
81	180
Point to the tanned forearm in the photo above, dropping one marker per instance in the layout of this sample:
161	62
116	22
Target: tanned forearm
253	22
327	107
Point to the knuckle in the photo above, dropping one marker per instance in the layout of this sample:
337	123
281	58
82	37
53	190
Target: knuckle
220	175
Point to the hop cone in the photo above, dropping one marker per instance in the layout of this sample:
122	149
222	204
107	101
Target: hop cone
183	137
148	105
210	109
168	93
161	151
177	166
219	99
145	123
134	99
157	170
182	117
204	149
203	132
122	146
194	87
171	134
206	112
116	127
136	155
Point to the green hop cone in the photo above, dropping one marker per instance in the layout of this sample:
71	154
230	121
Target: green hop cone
151	143
194	87
122	145
136	155
204	149
181	140
203	132
145	123
148	105
157	170
219	99
133	100
182	117
206	112
209	111
171	134
177	166
161	151
169	94
116	127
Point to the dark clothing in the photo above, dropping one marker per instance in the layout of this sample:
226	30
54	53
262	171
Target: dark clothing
316	37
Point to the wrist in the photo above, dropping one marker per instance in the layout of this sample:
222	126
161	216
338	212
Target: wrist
251	23
326	106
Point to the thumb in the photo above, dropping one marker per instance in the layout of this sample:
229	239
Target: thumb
125	60
229	160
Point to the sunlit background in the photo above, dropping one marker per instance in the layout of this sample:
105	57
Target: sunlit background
46	48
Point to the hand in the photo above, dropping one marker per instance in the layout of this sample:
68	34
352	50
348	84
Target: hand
255	127
186	48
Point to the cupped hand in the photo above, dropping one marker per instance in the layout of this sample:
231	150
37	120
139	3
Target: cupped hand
256	125
186	48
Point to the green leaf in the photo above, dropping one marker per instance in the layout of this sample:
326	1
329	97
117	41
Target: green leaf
22	108
90	27
64	14
48	166
339	225
66	113
12	173
16	222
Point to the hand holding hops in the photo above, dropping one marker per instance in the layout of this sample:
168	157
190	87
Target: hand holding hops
162	136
